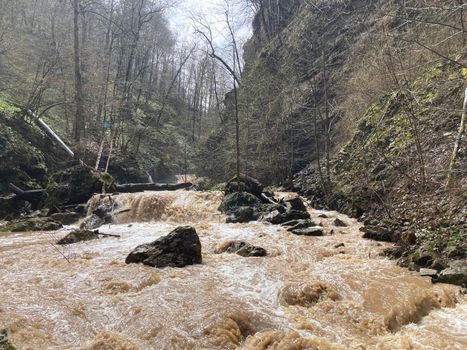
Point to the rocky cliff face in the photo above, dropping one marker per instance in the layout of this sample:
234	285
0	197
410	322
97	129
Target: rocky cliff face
362	101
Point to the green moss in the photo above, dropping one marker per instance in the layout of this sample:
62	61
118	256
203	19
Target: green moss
31	224
8	109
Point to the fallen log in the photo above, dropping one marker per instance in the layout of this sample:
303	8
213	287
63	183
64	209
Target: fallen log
32	196
140	187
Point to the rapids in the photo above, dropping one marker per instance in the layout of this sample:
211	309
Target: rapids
308	293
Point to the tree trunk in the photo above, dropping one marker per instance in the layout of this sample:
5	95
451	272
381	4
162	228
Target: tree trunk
458	141
79	116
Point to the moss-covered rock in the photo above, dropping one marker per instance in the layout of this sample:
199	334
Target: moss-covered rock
31	224
244	184
22	162
76	185
233	201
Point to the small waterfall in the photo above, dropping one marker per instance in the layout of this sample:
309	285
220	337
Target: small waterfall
167	206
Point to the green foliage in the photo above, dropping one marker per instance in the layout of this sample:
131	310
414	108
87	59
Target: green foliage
7	109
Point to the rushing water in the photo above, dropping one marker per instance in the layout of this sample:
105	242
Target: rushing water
306	294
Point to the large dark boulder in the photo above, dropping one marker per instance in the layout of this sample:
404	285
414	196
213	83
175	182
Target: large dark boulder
244	184
242	215
295	203
456	273
179	248
76	185
233	201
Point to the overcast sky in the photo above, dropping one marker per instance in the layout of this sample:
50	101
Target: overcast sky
181	22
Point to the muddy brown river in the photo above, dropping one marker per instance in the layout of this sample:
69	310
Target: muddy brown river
308	293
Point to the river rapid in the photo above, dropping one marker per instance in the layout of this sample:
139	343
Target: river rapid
331	292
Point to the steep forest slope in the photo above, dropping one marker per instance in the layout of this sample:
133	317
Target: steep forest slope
360	102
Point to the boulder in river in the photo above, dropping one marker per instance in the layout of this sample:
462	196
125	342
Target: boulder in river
243	249
31	224
179	248
233	201
244	184
241	215
339	223
298	224
310	231
78	236
295	203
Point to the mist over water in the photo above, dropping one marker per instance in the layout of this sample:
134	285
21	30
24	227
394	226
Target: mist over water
308	293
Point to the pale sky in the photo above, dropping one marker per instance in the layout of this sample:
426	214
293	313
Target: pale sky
180	18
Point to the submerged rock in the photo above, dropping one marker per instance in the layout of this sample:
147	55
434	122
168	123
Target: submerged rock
31	224
298	224
243	249
339	223
78	236
179	248
310	231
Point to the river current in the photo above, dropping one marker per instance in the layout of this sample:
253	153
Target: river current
330	292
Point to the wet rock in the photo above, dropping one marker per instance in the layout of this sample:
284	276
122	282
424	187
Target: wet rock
4	341
339	223
428	272
299	224
244	249
377	233
76	185
295	215
79	236
91	222
277	218
241	215
66	218
31	224
245	184
310	231
179	248
456	273
233	201
295	203
274	217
